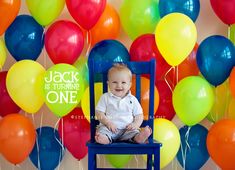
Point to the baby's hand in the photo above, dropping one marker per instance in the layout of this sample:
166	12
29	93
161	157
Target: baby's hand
112	127
132	126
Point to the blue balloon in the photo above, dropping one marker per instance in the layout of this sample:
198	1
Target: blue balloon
49	150
24	38
193	151
108	51
190	8
216	58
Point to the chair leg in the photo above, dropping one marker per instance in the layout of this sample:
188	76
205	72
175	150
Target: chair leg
91	160
149	162
157	159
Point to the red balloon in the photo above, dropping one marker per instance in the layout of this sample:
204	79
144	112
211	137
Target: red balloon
144	48
7	105
86	12
221	143
64	42
74	130
17	137
225	10
165	109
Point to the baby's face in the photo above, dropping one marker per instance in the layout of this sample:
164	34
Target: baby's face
119	83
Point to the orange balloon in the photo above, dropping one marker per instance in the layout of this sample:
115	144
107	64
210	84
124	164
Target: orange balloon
107	27
189	66
232	82
9	10
221	143
17	137
145	95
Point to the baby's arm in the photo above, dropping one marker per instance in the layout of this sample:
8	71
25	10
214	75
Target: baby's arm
138	119
105	121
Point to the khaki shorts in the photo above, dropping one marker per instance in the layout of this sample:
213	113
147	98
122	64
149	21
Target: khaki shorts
121	135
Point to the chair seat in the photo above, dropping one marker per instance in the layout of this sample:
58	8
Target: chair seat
125	148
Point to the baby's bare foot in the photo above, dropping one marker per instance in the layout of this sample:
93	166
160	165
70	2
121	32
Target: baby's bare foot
102	139
143	135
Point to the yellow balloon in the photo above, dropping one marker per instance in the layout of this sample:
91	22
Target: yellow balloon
23	82
3	53
85	101
167	133
175	37
231	109
222	98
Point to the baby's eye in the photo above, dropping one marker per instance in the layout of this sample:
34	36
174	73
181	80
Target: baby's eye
123	82
114	82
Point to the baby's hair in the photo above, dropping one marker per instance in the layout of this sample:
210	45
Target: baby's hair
119	67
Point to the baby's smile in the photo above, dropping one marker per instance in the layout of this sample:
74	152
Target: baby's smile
118	90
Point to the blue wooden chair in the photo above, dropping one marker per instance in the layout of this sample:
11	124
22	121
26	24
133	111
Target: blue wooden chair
152	147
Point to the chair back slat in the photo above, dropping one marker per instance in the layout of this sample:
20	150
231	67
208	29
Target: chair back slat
138	87
151	95
105	85
138	69
92	98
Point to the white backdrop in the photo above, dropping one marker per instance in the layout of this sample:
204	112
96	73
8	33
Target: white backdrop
207	24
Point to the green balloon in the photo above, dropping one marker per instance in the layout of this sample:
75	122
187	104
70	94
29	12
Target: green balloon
82	65
118	161
193	98
139	17
63	86
45	11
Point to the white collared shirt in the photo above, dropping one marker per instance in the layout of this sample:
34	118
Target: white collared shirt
121	111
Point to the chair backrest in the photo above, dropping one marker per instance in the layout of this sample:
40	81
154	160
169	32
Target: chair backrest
99	68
